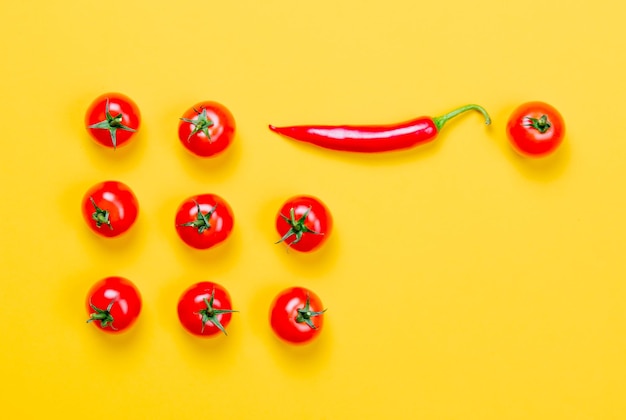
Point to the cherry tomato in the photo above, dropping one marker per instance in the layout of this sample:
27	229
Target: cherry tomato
535	129
205	309
303	223
112	119
110	208
203	221
206	129
113	304
297	315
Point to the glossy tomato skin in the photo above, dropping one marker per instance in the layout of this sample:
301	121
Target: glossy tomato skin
119	105
192	309
113	210
535	129
284	315
206	129
113	304
304	217
192	229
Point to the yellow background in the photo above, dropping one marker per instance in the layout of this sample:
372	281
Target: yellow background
462	281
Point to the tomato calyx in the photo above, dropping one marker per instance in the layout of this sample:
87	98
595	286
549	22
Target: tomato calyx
202	219
102	315
112	123
210	314
100	216
201	123
305	314
297	227
541	124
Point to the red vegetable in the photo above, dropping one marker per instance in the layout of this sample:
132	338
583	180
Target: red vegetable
374	138
535	129
113	304
110	208
204	220
297	315
206	129
112	119
205	309
303	223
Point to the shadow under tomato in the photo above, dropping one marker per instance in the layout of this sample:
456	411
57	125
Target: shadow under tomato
124	345
122	248
307	264
214	260
298	360
122	159
545	169
214	169
217	353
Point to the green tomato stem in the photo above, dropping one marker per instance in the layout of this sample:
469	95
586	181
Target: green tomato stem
112	124
100	216
305	314
541	124
297	227
202	219
102	315
210	314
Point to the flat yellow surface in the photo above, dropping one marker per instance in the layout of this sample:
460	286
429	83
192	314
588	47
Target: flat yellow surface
462	281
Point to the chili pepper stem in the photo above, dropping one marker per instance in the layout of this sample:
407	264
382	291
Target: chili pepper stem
441	120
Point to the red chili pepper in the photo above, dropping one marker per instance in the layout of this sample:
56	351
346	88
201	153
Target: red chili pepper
374	138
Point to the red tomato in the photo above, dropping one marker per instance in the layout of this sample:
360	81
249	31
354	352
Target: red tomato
303	223
206	129
113	304
297	315
535	129
110	208
112	119
205	309
203	221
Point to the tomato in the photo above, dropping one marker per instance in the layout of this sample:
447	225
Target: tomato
203	221
205	309
113	304
112	119
303	223
206	129
535	129
110	208
297	315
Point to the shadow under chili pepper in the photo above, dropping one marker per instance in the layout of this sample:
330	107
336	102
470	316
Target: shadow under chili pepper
395	157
